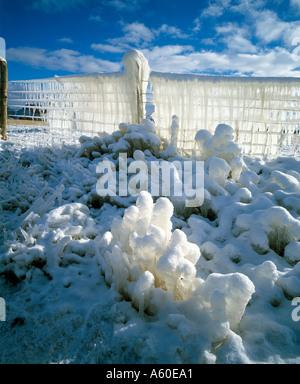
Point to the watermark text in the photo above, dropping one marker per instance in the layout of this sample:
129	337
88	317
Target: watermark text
2	309
296	311
159	178
296	51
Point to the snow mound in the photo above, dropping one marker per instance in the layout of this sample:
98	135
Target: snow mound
292	252
220	144
227	295
269	228
58	238
128	139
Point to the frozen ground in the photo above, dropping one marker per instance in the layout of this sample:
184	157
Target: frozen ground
114	280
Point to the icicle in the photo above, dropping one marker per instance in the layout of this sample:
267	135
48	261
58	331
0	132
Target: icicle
258	107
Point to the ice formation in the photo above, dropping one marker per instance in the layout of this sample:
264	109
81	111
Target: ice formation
144	260
263	112
143	247
86	104
220	144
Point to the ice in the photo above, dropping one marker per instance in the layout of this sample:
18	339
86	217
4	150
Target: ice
77	104
144	241
137	71
262	111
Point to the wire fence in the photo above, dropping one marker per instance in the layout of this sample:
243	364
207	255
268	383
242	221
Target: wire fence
264	112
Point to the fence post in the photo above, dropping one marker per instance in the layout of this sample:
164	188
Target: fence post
137	69
3	98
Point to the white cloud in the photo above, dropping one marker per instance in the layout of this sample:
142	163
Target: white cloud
180	59
236	38
295	4
197	23
107	48
137	32
96	18
265	24
127	5
34	57
247	7
171	31
184	59
157	54
137	35
216	9
270	28
228	28
213	10
208	41
66	40
60	60
237	43
170	58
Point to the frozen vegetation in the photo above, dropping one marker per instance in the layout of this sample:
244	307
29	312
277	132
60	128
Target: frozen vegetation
142	279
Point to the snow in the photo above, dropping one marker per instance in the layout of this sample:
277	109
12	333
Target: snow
292	252
143	279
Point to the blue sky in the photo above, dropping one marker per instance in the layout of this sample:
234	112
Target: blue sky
238	37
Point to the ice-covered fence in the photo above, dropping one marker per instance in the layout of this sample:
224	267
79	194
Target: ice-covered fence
85	104
264	112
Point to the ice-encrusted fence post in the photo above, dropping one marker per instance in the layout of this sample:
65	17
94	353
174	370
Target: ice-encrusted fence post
3	98
137	70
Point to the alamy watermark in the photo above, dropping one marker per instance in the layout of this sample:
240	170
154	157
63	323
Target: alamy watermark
2	48
2	309
159	178
296	51
296	311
